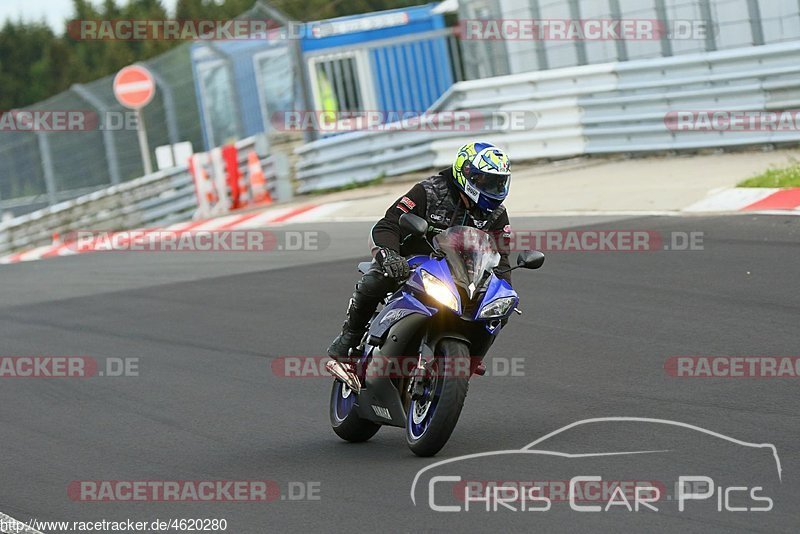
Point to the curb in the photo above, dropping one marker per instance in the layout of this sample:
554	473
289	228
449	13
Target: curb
239	221
753	199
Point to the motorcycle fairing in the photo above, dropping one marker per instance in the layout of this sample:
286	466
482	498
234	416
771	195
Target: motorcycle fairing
496	289
404	303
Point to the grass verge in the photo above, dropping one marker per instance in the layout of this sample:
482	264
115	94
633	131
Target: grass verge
775	177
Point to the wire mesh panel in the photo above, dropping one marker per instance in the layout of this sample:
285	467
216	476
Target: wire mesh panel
487	58
122	132
733	23
275	75
20	168
215	83
603	50
780	20
175	69
644	10
78	157
560	52
86	159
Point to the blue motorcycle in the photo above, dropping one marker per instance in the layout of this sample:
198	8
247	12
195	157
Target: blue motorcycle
413	366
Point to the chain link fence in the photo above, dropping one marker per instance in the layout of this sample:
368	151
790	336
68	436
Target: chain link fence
730	24
44	167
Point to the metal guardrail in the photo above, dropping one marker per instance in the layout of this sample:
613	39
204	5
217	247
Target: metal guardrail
35	202
593	109
159	199
364	156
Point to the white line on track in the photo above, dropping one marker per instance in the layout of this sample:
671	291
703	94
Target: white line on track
517	214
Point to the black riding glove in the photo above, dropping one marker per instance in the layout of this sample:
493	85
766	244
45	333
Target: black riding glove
393	264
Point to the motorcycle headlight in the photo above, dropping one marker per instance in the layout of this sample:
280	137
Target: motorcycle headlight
438	290
497	308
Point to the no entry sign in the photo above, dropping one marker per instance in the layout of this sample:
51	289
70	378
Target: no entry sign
134	87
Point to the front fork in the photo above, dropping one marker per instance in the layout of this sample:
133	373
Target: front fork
419	384
421	380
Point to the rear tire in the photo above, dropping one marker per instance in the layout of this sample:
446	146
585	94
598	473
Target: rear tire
344	419
429	425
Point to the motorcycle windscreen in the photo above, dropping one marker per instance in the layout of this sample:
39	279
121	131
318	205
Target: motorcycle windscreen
471	253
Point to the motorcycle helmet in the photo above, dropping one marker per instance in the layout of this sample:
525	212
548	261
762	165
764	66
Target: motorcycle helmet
483	172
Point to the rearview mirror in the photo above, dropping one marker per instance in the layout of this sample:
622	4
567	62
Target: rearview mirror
413	224
530	259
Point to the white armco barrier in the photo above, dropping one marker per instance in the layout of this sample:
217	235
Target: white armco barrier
593	109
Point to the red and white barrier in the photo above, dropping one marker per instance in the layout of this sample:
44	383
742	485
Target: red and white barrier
222	185
207	189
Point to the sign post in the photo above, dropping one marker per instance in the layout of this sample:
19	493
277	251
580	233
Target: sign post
134	88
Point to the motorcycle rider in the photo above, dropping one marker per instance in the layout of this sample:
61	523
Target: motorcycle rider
470	193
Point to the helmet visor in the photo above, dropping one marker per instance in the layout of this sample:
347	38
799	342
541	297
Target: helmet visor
491	184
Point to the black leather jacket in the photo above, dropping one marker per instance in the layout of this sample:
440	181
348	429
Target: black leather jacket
438	201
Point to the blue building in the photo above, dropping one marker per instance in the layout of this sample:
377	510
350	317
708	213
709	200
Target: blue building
390	61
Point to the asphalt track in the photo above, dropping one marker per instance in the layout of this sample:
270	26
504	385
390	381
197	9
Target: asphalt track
207	405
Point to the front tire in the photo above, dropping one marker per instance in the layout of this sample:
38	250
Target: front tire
431	423
344	419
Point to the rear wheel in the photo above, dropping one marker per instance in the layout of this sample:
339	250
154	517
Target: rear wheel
344	419
432	420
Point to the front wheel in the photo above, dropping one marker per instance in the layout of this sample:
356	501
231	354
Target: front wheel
344	419
431	421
